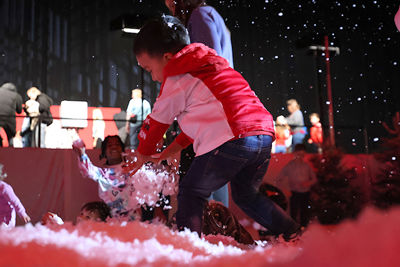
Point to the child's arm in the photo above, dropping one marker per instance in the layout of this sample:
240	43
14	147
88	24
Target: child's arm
87	169
9	195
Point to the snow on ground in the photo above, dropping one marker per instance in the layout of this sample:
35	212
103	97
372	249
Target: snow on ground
372	240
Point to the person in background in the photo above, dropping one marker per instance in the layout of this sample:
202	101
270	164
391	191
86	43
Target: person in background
296	122
282	134
316	134
137	110
97	211
98	128
31	137
10	103
10	204
206	26
300	177
217	111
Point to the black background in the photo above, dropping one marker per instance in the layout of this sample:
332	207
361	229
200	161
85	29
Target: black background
67	49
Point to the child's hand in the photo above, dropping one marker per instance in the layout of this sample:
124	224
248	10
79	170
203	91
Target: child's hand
169	153
51	218
79	147
171	159
26	218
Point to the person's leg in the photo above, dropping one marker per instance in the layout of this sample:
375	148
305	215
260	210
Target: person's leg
10	135
295	205
43	127
133	135
280	149
256	150
207	173
221	195
187	157
298	138
305	209
27	139
35	136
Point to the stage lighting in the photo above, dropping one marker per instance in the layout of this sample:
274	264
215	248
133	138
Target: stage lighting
128	23
130	30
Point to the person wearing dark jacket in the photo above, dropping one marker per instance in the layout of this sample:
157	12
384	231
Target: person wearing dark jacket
10	102
31	136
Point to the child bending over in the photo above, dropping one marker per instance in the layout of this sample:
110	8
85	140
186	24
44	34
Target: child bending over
229	127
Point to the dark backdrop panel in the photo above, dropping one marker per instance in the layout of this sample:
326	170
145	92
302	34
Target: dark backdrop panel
67	49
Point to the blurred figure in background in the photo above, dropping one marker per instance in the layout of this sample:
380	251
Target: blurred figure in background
296	122
98	128
31	134
300	177
9	204
137	110
10	103
316	134
282	134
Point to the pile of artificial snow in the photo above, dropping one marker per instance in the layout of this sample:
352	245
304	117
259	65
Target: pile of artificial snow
372	240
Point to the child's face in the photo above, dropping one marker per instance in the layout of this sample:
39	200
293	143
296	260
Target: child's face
291	108
314	120
113	149
86	215
154	64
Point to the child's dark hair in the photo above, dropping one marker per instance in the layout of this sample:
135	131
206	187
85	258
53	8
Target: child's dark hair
165	34
100	207
104	145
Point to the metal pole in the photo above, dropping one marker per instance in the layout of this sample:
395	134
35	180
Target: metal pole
329	92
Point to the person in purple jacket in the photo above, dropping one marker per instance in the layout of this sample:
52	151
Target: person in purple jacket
205	25
9	204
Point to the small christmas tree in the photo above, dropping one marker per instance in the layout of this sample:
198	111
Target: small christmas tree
386	186
333	197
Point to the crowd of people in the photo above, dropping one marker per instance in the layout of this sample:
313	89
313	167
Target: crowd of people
291	131
219	141
38	115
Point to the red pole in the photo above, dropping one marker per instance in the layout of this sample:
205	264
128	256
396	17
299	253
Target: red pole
329	91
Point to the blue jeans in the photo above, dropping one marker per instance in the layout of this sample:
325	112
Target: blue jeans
134	129
297	138
280	149
242	162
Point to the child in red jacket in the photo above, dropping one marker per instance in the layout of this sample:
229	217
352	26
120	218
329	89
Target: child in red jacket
316	133
229	127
